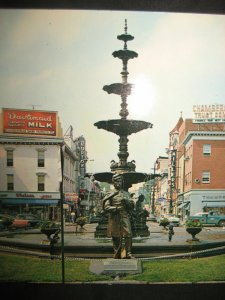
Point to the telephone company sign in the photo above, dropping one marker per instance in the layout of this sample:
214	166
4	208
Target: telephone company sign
29	122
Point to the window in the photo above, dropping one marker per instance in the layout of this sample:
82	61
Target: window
41	182
10	182
9	158
41	158
206	150
206	177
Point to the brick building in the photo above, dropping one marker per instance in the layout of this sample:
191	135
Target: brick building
200	165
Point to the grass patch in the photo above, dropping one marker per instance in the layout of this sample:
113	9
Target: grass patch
28	269
183	270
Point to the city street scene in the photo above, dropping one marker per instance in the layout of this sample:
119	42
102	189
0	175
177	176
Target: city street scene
112	140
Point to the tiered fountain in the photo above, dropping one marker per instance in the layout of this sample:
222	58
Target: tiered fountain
123	127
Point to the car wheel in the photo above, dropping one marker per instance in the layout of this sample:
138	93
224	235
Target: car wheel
28	226
12	228
222	223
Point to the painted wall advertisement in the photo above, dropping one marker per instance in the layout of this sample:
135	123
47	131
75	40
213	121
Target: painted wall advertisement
29	122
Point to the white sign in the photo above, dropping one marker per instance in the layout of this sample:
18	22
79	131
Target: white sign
30	195
208	120
209	113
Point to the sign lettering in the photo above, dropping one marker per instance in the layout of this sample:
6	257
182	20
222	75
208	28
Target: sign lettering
29	122
209	113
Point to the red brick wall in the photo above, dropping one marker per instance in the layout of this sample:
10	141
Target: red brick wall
215	163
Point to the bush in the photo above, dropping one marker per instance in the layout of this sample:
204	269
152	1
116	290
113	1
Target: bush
193	223
164	221
81	220
49	224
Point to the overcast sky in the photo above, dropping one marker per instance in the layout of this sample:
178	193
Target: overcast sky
60	60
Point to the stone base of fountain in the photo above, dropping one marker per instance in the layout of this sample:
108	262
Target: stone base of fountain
139	228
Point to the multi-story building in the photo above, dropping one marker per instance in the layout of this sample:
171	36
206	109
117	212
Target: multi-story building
200	161
32	151
203	166
192	177
71	159
161	186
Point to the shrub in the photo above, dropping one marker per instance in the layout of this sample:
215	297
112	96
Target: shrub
49	224
81	220
193	223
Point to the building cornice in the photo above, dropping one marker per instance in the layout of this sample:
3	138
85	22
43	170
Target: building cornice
30	140
201	135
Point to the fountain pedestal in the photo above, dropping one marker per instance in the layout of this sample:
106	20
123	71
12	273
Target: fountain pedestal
123	128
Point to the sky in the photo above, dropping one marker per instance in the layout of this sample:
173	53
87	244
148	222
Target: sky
59	60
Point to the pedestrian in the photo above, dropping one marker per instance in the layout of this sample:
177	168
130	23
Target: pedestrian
171	232
72	217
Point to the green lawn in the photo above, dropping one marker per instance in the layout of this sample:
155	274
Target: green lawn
28	269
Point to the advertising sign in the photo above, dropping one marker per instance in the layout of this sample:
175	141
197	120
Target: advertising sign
71	197
31	195
209	113
83	157
173	169
29	122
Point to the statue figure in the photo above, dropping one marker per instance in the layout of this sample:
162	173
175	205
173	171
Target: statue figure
119	206
139	218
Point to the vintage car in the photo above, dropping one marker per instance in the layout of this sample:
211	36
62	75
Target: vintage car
172	218
152	218
33	220
211	218
19	223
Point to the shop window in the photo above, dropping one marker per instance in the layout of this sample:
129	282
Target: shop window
206	177
41	158
41	183
206	150
9	158
10	182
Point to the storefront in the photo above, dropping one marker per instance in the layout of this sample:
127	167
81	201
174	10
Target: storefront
204	200
43	205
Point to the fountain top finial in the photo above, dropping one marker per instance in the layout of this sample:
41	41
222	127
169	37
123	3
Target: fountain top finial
125	28
125	36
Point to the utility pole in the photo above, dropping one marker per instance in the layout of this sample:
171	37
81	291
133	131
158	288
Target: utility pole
62	214
153	191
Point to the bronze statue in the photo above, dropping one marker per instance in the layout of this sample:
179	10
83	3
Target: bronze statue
119	206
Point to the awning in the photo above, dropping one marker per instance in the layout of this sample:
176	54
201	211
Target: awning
215	205
161	199
71	203
183	205
30	201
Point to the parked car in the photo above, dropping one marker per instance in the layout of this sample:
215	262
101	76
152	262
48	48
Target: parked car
172	218
19	223
94	219
209	218
152	218
33	220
